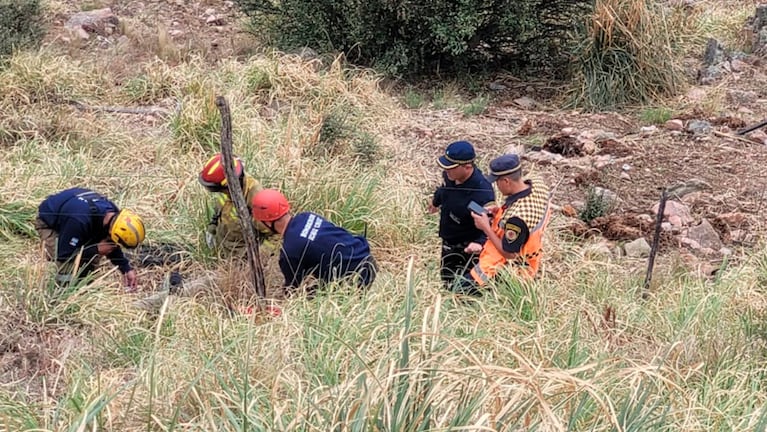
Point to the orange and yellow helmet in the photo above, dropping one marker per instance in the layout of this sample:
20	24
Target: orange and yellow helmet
213	174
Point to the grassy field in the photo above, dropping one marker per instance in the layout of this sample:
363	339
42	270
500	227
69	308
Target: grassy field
576	350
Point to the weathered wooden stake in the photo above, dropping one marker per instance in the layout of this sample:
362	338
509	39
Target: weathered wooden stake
655	242
235	191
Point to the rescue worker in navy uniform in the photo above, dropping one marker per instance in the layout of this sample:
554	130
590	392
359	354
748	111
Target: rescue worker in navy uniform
312	245
464	182
78	226
514	230
224	231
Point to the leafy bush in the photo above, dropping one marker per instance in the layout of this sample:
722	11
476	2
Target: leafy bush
421	36
20	25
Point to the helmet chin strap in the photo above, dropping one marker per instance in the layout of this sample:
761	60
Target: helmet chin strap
111	220
270	225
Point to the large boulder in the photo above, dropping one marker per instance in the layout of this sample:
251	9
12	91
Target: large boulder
99	21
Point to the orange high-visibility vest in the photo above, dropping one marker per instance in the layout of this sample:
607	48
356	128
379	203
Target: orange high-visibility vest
535	211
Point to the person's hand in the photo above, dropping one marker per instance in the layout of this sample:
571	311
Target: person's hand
482	222
473	248
492	208
432	209
131	281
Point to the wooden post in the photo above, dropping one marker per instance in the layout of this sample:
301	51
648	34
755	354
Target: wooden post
235	191
655	241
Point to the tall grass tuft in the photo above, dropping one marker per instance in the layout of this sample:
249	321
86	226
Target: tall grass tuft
16	219
629	56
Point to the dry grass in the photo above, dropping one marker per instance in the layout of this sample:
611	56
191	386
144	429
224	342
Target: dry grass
576	350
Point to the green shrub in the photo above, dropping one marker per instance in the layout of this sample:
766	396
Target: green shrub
476	106
421	36
597	204
413	99
20	25
658	115
628	56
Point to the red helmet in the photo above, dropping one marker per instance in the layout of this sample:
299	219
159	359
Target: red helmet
269	205
213	175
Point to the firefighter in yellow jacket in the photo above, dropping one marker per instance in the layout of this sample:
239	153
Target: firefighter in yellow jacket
224	231
514	230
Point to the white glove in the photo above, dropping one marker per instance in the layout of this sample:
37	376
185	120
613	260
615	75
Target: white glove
210	240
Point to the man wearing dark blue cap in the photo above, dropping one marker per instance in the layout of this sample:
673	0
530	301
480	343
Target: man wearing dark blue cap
515	231
463	182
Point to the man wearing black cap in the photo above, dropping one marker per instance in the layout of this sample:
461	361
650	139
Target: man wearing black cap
463	183
515	231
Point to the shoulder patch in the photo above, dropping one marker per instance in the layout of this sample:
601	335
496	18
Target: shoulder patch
512	231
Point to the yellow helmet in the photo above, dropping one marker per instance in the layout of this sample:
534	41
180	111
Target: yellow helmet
127	229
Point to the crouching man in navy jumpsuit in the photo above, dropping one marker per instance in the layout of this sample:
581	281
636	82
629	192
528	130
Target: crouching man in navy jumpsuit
313	246
77	226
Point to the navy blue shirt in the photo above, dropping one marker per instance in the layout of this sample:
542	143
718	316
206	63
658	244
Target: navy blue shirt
77	216
314	246
456	226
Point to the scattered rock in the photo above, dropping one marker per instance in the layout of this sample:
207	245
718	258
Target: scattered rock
98	21
759	30
526	103
738	65
569	211
705	235
648	130
732	219
589	147
696	94
675	213
692	244
638	248
214	20
674	125
699	127
602	161
608	197
494	86
741	97
714	53
758	137
598	251
543	157
625	176
596	135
